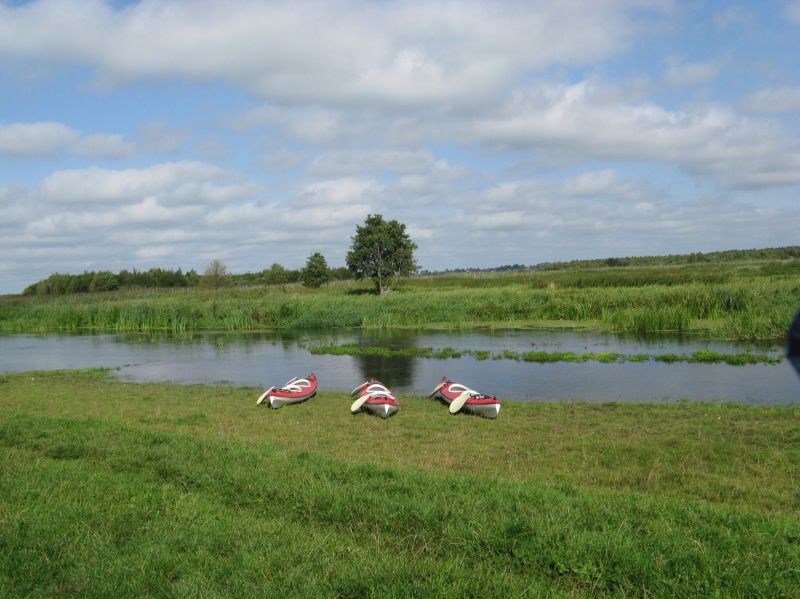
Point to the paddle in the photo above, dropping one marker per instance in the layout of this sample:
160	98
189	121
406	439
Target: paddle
793	350
439	386
264	396
360	402
459	402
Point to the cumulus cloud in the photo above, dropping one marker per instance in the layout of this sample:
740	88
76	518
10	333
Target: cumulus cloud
398	53
170	181
775	101
588	123
345	190
104	145
349	162
528	221
606	183
25	140
48	139
491	122
146	212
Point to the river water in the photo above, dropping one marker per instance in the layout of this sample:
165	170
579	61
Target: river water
271	358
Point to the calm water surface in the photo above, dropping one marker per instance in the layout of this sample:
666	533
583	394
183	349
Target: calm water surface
265	359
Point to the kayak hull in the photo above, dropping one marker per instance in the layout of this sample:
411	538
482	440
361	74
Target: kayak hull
382	409
296	390
276	401
376	399
476	404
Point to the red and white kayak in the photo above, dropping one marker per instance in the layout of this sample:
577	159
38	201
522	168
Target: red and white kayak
461	398
294	391
374	398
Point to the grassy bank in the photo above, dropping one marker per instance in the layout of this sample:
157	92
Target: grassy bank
123	489
743	304
703	356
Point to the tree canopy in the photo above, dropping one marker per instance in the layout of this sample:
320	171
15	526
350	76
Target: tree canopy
381	251
315	272
215	274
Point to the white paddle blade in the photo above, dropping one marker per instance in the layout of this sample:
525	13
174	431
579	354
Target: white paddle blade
435	391
356	407
264	396
459	402
358	389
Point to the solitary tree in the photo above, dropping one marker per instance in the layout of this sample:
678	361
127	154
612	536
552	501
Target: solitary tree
381	251
215	273
315	272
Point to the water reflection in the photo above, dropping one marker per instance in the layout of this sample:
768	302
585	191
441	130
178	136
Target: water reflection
396	371
268	358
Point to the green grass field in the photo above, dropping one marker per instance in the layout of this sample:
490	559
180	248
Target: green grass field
120	489
749	300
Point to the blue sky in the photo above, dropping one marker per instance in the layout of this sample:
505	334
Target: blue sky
165	133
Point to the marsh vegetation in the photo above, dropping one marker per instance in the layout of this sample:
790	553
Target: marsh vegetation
750	300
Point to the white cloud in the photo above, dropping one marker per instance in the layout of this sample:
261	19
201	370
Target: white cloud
395	53
585	121
48	139
775	101
405	162
529	221
606	183
422	111
312	124
146	212
96	184
161	138
104	146
345	190
25	140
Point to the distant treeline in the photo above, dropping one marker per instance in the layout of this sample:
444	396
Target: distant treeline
503	268
60	284
780	253
104	280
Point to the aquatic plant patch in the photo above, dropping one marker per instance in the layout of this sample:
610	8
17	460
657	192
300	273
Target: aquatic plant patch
703	356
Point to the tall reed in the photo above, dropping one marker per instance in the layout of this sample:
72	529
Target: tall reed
758	307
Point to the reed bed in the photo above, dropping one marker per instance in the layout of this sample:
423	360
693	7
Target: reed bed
749	308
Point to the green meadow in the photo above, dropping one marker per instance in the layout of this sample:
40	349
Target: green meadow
120	489
732	300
